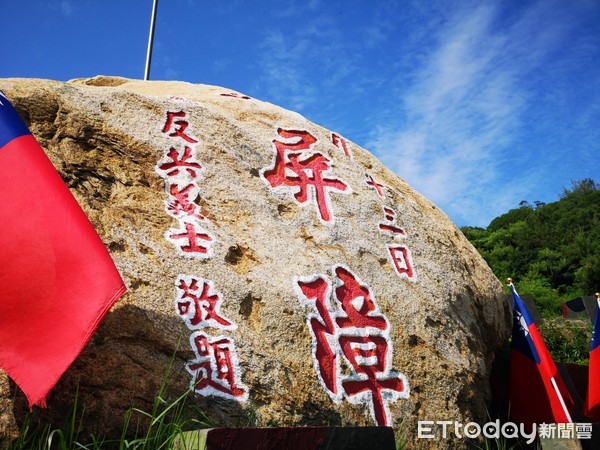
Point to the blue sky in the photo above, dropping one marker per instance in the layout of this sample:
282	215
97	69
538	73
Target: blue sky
476	104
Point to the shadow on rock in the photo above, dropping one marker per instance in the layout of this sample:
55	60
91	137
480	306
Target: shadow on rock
131	357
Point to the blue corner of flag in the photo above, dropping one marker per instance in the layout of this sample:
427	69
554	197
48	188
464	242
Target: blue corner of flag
11	125
596	331
522	321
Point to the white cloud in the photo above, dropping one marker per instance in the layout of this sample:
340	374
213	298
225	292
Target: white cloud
291	56
450	93
287	9
66	8
463	113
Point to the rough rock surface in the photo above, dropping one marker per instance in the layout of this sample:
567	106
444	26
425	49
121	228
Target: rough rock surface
109	138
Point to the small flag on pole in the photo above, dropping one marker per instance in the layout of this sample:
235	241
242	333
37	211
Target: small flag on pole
592	401
537	391
57	280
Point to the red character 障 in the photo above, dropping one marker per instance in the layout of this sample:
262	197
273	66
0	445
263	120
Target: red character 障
352	328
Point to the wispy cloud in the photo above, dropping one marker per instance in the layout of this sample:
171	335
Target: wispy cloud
284	9
169	63
66	8
299	63
463	113
282	72
454	99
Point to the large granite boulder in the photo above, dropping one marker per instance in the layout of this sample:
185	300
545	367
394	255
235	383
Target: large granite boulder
288	276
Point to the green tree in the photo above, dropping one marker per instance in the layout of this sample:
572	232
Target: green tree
551	250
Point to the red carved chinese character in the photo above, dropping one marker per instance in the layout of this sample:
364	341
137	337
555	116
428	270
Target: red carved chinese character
357	302
303	172
236	95
177	123
340	143
390	223
402	261
191	241
359	333
368	356
322	326
173	163
181	202
215	370
375	185
303	141
198	306
182	100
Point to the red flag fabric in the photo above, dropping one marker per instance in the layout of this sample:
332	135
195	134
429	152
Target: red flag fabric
592	401
57	280
537	391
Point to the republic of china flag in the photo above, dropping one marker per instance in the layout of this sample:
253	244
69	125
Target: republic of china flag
592	402
57	280
537	392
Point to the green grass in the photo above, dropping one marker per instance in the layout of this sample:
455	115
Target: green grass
166	421
168	418
400	435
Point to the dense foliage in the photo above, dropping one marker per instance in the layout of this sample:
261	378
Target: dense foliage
550	250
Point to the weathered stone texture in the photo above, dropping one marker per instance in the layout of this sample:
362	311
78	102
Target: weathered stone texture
105	137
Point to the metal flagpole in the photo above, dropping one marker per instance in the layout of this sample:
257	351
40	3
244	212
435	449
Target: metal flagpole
150	41
561	400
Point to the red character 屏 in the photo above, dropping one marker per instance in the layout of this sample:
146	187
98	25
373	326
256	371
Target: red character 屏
302	170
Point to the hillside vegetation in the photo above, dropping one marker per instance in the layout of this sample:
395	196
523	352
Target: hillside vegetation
551	251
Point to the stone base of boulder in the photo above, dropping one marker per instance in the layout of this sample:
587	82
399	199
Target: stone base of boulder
288	438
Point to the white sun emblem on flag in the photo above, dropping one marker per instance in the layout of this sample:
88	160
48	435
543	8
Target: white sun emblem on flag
522	323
